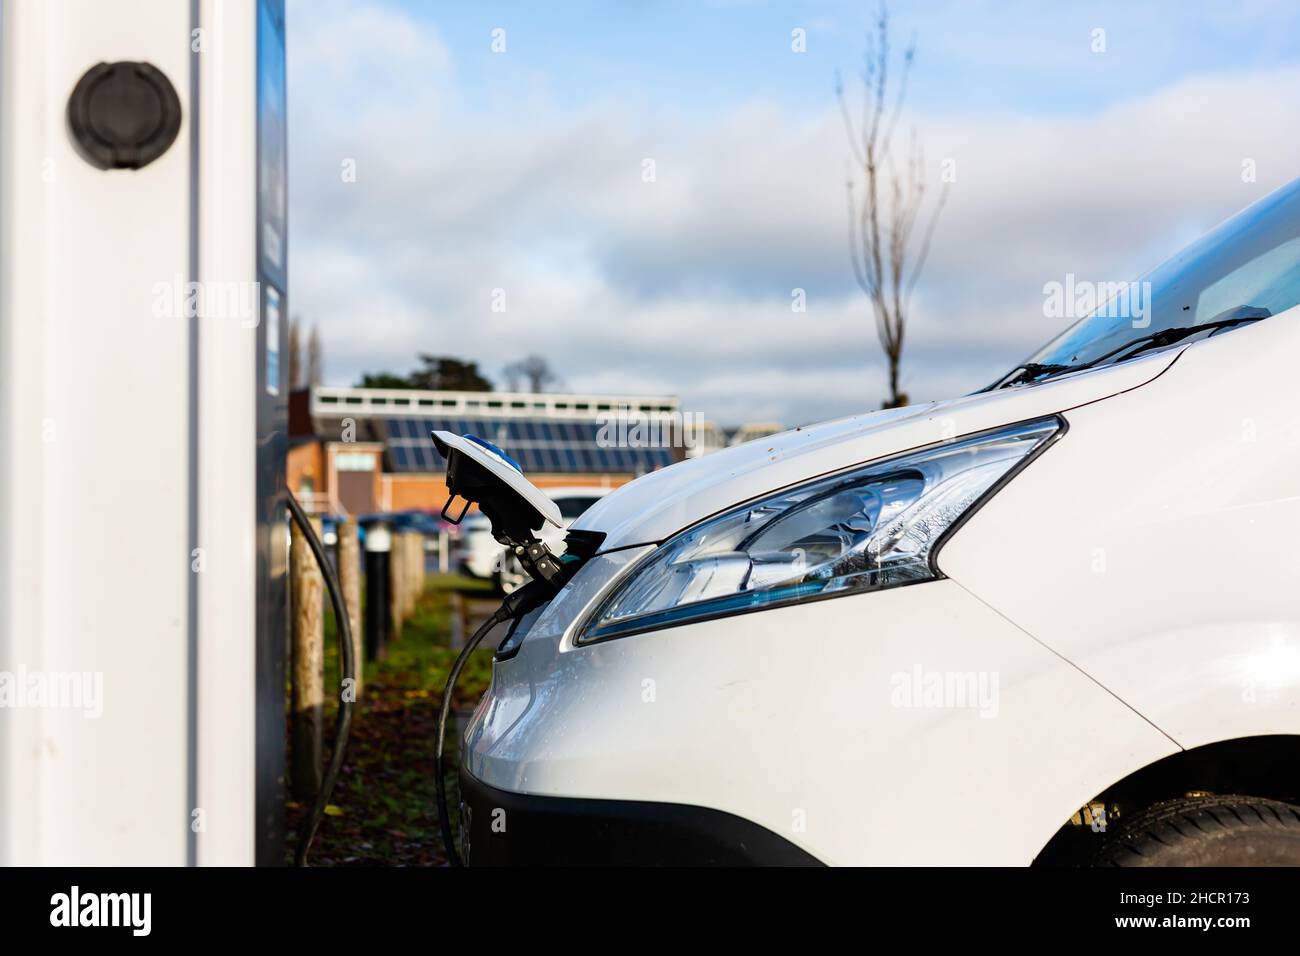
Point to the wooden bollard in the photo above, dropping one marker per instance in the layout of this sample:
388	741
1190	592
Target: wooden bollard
396	577
404	549
349	558
416	569
412	571
307	633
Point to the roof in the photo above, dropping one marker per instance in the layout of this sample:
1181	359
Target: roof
556	433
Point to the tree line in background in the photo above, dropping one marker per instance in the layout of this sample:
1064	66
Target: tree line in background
436	372
444	373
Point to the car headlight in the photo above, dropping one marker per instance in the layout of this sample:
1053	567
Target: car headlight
874	526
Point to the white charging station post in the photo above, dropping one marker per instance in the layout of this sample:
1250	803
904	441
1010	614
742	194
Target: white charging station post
142	435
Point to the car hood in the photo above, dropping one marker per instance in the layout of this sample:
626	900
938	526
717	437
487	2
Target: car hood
659	504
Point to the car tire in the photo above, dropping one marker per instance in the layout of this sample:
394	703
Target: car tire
1207	831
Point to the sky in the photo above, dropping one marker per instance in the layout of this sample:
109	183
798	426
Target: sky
451	198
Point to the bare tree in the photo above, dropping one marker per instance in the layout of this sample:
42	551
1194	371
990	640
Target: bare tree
883	217
315	357
533	370
295	353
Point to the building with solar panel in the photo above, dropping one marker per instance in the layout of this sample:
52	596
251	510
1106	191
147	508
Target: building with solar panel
366	450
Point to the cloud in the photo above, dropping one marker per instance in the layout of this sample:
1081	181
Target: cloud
683	284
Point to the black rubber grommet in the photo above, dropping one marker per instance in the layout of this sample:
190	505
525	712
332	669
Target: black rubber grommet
123	115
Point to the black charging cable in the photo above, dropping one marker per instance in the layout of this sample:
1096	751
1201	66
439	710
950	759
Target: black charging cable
516	604
343	630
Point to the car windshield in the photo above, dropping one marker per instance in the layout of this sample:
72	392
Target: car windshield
1247	268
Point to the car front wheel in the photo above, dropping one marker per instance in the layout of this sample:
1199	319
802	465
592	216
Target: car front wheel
1207	831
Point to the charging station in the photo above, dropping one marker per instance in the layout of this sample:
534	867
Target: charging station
143	296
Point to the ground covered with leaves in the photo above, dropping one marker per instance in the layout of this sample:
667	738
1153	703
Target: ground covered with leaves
384	812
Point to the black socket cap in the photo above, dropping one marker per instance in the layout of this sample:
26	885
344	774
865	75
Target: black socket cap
123	115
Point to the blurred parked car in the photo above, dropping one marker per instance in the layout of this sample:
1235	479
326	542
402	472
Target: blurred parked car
476	551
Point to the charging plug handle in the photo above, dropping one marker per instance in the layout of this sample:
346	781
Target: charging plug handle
538	561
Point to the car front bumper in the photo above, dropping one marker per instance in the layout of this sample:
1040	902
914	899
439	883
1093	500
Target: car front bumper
501	828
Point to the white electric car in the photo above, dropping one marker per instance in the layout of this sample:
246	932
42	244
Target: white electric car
1054	621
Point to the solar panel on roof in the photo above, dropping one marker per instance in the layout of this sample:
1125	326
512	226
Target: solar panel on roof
539	446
